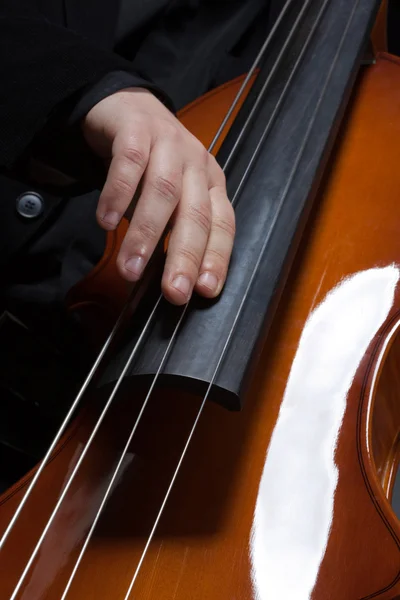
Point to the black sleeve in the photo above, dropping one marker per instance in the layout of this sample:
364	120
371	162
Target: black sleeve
41	66
60	143
109	84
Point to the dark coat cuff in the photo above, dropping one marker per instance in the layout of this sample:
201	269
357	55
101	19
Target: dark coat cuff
108	85
61	145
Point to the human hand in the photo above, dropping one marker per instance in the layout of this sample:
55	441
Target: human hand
181	184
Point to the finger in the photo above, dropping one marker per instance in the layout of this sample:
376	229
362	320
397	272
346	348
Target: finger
216	258
189	237
160	195
129	161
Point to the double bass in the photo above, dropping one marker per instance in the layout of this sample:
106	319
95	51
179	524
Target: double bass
152	489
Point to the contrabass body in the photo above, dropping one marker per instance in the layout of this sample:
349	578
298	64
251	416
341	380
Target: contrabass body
289	498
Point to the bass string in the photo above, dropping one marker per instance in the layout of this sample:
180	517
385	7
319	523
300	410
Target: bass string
266	84
245	297
83	453
249	75
119	464
98	360
126	447
280	100
120	319
65	422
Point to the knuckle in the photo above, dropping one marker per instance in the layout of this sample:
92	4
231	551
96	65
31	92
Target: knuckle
167	189
215	259
200	214
170	130
227	225
214	163
147	230
120	187
135	156
203	154
189	255
199	153
219	177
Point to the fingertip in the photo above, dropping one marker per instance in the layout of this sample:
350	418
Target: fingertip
178	291
208	285
131	268
109	220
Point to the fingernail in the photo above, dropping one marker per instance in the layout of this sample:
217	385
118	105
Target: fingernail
111	218
182	284
135	265
209	281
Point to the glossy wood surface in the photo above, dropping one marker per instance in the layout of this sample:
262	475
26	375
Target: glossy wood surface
285	500
379	31
385	413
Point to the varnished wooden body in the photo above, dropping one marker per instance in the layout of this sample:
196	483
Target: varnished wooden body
288	499
379	32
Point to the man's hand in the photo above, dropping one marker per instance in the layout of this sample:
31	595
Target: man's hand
181	182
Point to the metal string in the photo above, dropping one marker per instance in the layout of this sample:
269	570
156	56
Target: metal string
250	74
120	319
70	413
165	356
280	101
116	471
271	74
108	342
85	450
234	324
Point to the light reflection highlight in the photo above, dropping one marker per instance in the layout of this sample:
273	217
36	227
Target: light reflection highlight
295	502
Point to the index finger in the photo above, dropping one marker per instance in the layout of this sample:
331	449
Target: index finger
130	159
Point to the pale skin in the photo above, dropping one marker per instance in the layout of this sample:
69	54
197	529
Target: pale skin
182	184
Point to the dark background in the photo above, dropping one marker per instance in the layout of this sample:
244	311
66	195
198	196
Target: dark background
394	26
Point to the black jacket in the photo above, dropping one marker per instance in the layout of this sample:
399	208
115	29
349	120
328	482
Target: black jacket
52	51
57	59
